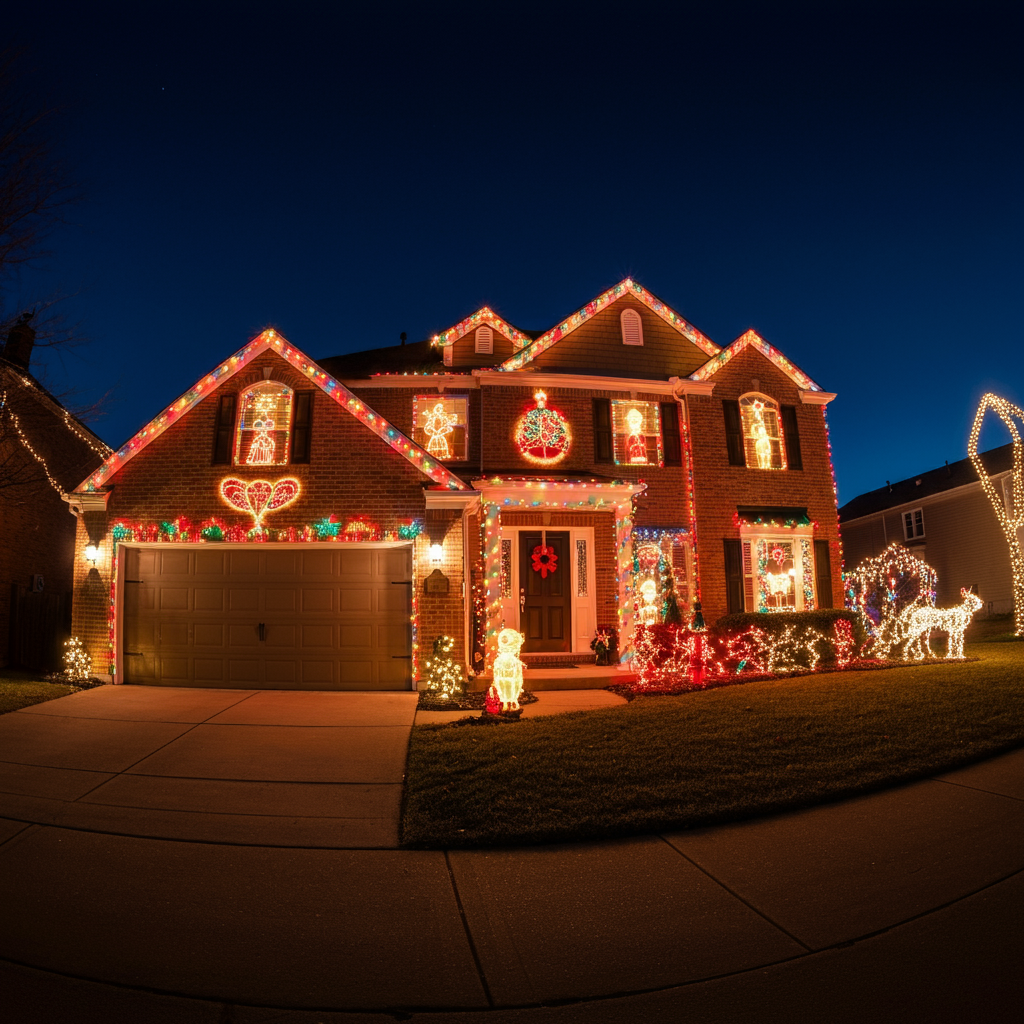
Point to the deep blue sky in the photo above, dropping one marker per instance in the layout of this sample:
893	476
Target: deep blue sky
844	177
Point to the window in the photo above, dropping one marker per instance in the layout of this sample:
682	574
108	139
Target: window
263	432
762	432
440	425
775	573
632	327
484	340
913	524
603	430
636	430
224	430
670	434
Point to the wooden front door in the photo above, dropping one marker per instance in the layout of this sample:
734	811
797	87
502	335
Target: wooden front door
544	598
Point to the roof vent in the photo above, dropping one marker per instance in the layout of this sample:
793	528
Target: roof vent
917	482
403	336
20	340
889	485
949	472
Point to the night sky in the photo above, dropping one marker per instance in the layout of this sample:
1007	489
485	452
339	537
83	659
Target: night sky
846	178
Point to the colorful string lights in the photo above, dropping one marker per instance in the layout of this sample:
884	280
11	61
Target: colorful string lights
542	435
1011	516
917	622
751	337
484	315
259	497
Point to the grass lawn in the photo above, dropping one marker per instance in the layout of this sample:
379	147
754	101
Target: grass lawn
23	689
711	756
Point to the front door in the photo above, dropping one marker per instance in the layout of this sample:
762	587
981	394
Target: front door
544	592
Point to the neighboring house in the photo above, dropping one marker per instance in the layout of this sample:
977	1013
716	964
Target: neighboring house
44	450
944	517
291	523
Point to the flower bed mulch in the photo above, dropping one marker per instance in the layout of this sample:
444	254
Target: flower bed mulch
471	701
632	690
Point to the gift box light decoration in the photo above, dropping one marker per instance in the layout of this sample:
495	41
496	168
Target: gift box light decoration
542	435
1011	514
508	669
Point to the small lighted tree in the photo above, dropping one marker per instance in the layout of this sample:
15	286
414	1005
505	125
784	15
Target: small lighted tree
442	674
1010	515
77	663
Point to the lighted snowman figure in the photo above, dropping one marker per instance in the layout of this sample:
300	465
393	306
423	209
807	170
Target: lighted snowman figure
649	611
261	451
436	424
636	444
508	669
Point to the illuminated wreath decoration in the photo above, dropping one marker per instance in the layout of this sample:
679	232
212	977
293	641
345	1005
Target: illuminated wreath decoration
544	560
542	435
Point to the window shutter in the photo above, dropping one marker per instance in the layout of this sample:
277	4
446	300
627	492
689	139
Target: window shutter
670	434
224	431
733	576
733	432
302	413
823	573
602	430
632	328
448	355
484	340
791	436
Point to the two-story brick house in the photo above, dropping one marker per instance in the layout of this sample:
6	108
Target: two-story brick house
290	523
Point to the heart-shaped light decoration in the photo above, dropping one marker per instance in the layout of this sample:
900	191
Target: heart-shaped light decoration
258	497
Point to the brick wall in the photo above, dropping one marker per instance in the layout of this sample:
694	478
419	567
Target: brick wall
719	488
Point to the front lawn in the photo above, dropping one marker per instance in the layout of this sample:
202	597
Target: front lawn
23	689
712	756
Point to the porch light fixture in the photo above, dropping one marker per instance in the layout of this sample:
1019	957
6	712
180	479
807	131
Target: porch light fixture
92	554
436	554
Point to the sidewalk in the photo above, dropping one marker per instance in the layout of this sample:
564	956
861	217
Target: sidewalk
191	856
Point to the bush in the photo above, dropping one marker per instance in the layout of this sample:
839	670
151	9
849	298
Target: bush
822	621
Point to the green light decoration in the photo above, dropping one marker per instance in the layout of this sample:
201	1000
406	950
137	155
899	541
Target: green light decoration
542	435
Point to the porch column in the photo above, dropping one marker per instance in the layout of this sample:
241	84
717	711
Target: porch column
624	566
492	579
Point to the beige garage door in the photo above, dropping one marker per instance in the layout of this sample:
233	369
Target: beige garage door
325	618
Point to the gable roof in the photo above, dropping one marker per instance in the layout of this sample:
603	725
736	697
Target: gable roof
484	315
751	337
591	309
270	339
932	481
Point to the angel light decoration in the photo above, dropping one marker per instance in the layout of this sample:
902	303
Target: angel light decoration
436	425
261	451
636	443
508	669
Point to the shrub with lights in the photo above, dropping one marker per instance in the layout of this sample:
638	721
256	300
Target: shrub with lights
443	676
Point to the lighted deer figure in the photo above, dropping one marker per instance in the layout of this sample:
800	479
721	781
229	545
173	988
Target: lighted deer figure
919	620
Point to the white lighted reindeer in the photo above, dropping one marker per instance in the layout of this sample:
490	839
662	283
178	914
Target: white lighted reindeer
918	620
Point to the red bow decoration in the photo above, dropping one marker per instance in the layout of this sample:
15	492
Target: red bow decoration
544	560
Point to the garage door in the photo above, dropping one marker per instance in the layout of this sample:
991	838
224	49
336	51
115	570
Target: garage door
327	618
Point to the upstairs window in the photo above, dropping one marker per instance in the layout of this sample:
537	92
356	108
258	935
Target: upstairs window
636	433
263	431
441	426
913	524
484	341
762	432
632	327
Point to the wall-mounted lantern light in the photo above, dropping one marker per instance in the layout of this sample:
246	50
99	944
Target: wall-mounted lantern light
92	554
436	554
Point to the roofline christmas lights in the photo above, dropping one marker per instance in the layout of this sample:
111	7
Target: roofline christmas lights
751	337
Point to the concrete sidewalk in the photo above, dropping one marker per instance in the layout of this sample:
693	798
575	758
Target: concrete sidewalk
900	906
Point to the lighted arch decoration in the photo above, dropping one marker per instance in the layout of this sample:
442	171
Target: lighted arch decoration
1010	519
542	435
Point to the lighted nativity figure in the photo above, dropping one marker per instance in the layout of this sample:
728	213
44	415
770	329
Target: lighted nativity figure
261	451
762	442
508	669
636	443
436	425
649	612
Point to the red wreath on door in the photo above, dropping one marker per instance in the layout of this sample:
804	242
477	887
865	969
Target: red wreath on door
544	560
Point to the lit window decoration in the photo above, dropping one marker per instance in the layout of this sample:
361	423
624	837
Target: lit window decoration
263	434
807	565
636	433
581	568
762	432
440	425
259	497
777	575
542	434
917	621
506	569
545	560
508	669
1011	513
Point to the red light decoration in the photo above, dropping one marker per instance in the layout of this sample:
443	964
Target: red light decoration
544	560
542	435
258	497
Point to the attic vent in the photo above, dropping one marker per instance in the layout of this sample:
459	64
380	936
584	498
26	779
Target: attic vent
632	329
484	340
